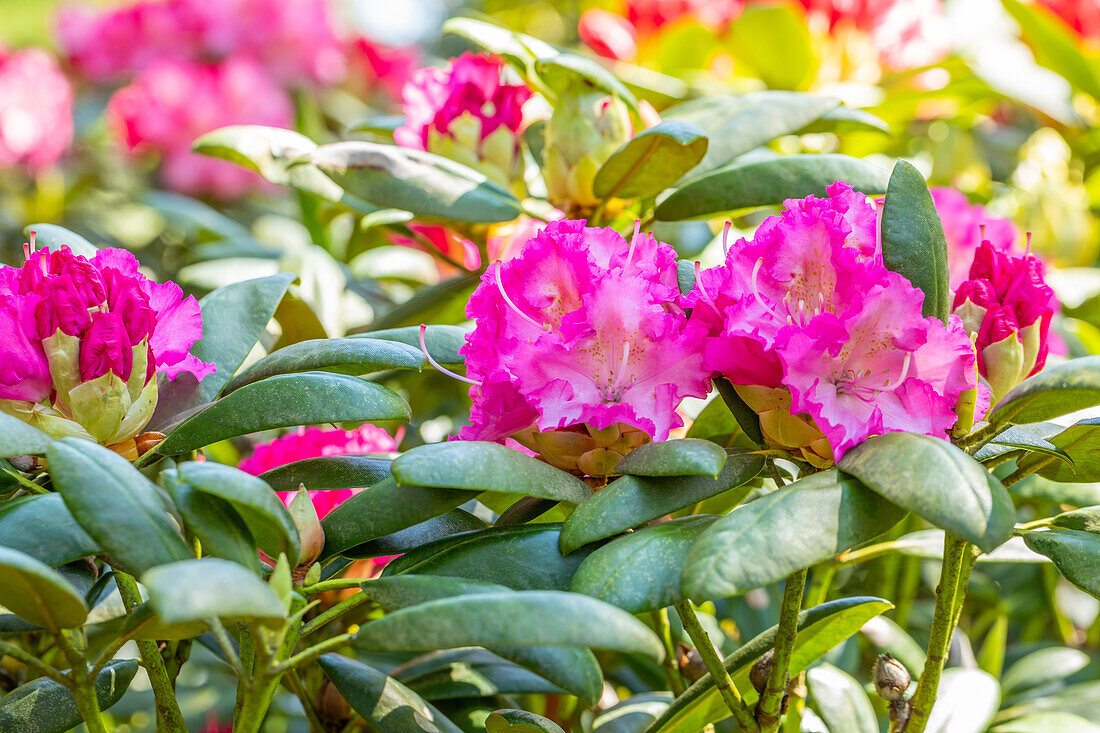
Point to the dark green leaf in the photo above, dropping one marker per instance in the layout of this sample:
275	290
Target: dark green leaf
342	356
44	706
483	466
745	417
1084	520
841	120
651	161
797	526
55	237
1057	390
631	500
744	122
434	302
216	524
519	618
285	400
913	243
443	342
718	425
523	557
121	509
413	180
263	512
17	438
382	510
43	527
575	670
34	591
469	672
641	570
819	630
199	590
328	472
767	182
1081	442
382	701
233	319
1075	554
937	481
519	721
685	457
1034	437
453	522
276	154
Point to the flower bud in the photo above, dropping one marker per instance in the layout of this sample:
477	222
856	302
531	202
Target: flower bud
689	662
784	430
310	532
761	671
582	448
586	127
891	678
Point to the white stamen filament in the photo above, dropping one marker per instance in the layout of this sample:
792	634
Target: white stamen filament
756	291
28	248
726	238
702	290
893	384
1027	252
633	242
440	367
622	368
513	306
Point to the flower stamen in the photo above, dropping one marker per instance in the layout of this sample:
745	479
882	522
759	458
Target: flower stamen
702	290
633	242
512	305
726	238
894	384
437	365
28	247
756	290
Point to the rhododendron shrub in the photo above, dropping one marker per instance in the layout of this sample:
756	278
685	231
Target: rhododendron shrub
809	307
85	340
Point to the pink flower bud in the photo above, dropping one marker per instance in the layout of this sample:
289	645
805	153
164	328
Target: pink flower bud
24	372
126	298
60	307
106	347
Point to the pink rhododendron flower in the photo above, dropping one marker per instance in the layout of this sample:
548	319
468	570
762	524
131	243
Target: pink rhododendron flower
581	332
807	306
316	443
173	102
1007	306
907	33
1082	16
36	109
294	40
609	35
375	63
503	242
84	338
966	226
468	113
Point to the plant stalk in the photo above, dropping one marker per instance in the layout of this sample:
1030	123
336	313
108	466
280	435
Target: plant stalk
672	674
718	672
768	709
948	604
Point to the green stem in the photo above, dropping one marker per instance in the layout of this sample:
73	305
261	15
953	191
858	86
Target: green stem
981	436
333	613
82	685
312	653
226	645
169	717
1021	473
819	586
718	672
247	655
943	626
664	630
768	709
334	584
294	683
257	703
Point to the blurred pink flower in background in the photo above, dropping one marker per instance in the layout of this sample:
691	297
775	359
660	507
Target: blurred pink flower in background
966	226
173	102
315	443
371	63
295	40
1082	16
36	109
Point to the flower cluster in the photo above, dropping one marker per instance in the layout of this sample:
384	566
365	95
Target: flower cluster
824	341
36	119
582	350
316	443
84	339
294	39
172	102
1007	307
468	113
